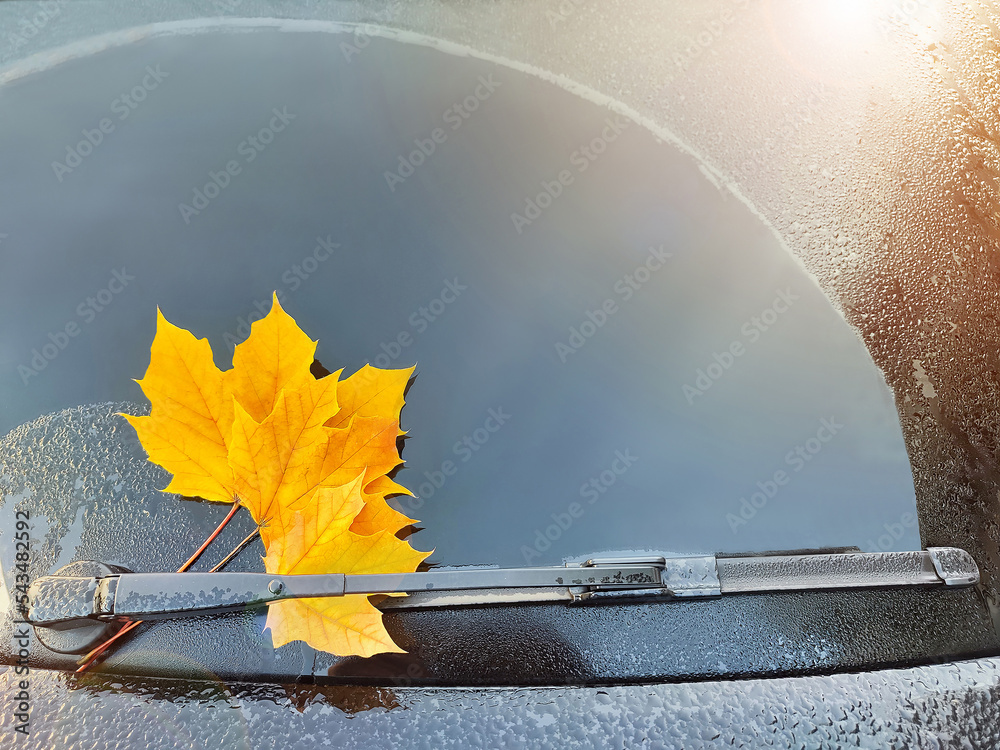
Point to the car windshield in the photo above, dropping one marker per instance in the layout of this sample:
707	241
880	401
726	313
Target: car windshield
612	350
710	282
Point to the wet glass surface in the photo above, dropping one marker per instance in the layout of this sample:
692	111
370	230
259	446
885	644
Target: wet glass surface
610	352
91	496
846	124
942	706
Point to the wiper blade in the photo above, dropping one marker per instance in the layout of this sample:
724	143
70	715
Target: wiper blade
63	602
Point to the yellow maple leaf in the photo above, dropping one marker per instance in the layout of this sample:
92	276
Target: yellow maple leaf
279	462
191	419
190	428
374	392
310	458
277	355
370	392
321	541
187	430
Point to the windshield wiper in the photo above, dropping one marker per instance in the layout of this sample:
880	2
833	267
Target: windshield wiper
64	602
55	600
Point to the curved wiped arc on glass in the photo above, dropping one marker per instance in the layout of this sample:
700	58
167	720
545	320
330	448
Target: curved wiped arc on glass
611	353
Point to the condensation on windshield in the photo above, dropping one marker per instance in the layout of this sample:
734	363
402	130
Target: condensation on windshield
620	328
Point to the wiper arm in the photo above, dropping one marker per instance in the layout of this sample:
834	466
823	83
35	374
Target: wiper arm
55	601
65	602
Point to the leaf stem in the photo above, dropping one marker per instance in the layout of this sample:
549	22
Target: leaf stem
191	560
91	656
239	548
